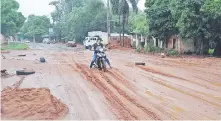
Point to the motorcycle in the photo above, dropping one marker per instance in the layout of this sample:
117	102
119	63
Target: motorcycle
100	61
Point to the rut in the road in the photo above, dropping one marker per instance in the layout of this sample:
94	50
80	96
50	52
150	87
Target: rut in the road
125	105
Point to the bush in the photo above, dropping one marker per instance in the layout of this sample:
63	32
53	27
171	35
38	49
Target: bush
138	49
188	52
211	51
172	52
15	46
151	48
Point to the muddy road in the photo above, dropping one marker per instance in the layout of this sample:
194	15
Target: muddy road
165	88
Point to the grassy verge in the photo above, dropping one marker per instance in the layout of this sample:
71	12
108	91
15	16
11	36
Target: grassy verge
14	46
211	51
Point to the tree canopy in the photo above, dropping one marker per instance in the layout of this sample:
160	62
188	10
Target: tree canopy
36	25
74	18
196	20
160	21
11	19
138	23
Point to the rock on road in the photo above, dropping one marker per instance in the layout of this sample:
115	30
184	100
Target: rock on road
166	88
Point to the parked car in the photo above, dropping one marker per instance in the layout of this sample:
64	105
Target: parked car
46	41
71	44
89	41
27	41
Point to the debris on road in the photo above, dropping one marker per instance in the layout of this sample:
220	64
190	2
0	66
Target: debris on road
25	72
162	55
31	104
4	73
3	56
22	55
42	60
5	51
18	83
139	63
71	44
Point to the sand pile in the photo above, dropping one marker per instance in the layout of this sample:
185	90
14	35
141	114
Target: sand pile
31	104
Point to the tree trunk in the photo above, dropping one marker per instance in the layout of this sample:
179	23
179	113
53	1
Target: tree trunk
201	47
206	47
137	42
120	29
217	51
34	38
123	22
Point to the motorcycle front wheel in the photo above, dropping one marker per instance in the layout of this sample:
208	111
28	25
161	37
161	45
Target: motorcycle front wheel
103	65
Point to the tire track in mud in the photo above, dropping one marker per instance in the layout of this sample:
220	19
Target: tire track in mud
132	98
186	92
122	104
117	106
186	65
171	76
120	110
148	69
126	102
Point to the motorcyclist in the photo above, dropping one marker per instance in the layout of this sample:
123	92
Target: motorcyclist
95	46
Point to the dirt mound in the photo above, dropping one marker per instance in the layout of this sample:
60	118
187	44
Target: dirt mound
31	104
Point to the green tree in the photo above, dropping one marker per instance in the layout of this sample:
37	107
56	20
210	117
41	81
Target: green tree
160	20
74	18
11	20
213	9
192	22
196	20
121	8
36	25
138	23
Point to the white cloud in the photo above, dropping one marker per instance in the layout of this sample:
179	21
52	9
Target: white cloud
36	7
42	7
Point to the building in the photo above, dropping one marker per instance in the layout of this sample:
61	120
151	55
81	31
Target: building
115	39
176	43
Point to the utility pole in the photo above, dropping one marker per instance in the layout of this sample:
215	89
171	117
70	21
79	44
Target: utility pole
108	20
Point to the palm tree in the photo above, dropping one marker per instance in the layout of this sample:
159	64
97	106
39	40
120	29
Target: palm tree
121	8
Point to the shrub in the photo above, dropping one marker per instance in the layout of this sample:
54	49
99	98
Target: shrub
211	51
172	52
151	48
15	46
138	49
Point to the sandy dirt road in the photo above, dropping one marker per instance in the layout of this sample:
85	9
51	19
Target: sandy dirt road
165	88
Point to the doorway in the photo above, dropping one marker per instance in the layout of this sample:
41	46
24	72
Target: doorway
174	43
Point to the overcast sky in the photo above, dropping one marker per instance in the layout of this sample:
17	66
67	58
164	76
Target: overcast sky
41	7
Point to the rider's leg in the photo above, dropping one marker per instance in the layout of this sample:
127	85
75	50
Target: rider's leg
93	60
107	60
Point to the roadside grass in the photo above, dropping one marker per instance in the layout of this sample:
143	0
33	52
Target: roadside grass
14	46
211	51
